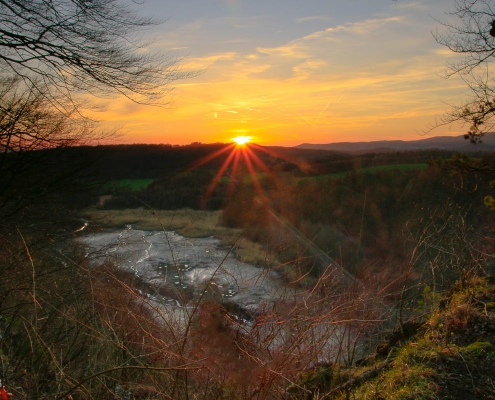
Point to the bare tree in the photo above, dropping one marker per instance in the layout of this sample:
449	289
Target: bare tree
29	122
472	37
89	46
51	52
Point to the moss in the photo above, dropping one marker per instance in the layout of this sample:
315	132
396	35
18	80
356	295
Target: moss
481	348
402	382
433	363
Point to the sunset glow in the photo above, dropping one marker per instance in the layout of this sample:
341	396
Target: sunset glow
240	140
319	72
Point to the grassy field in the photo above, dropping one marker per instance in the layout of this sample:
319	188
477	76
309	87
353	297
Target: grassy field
191	223
402	167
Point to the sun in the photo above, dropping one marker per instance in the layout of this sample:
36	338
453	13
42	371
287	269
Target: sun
241	140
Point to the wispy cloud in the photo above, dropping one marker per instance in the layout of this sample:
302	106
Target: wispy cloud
302	47
208	61
362	27
411	4
312	18
303	71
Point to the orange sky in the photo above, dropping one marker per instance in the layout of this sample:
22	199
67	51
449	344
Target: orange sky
325	77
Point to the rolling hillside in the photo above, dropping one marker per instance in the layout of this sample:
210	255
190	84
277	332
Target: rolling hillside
450	143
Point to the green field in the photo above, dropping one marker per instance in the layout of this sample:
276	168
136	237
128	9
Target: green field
402	167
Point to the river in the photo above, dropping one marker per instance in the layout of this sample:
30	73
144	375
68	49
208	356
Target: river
173	265
171	261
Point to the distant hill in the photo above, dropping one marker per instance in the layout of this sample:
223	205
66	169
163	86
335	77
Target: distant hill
451	143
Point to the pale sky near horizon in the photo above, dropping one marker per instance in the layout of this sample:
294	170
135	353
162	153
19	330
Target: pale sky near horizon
290	71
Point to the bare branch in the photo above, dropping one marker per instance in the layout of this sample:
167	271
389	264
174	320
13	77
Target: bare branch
72	46
473	37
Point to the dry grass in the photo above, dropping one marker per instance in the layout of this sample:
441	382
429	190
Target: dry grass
187	222
254	253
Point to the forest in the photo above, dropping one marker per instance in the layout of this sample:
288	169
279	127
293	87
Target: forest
374	241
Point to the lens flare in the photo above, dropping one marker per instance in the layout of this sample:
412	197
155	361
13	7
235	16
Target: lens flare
242	158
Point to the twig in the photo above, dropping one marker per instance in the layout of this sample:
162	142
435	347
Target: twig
179	368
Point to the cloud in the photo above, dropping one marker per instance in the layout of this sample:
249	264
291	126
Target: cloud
365	27
375	76
308	45
413	4
303	71
208	61
294	49
312	18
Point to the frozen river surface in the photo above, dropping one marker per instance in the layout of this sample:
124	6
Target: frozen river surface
167	259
